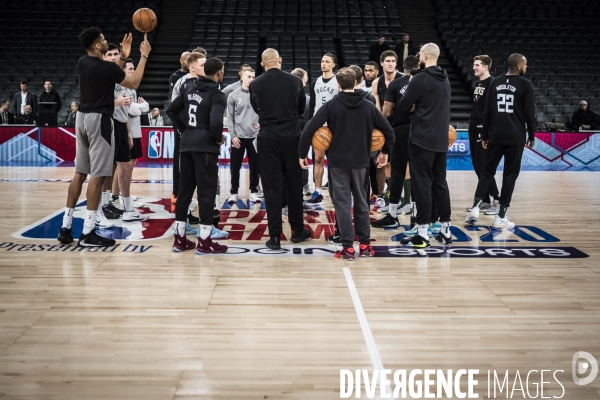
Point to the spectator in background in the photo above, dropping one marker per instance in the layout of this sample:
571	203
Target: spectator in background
584	118
238	84
22	99
27	118
378	48
49	95
155	118
6	117
405	48
72	114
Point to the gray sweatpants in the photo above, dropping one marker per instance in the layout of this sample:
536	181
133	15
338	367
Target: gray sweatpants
345	184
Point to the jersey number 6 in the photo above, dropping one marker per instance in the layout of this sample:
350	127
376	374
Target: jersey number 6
192	114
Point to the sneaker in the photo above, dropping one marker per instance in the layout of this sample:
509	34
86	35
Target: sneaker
65	235
316	198
412	232
137	204
192	219
133	216
259	192
102	222
189	230
347	253
494	209
109	214
306	206
386	222
384	209
473	216
405	209
443	239
380	201
373	198
306	190
218	234
501	223
326	186
334	239
254	198
232	199
482	207
207	246
366	250
92	239
274	243
301	236
436	227
416	241
285	210
173	199
182	243
117	205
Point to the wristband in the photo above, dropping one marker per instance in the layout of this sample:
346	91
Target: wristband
145	56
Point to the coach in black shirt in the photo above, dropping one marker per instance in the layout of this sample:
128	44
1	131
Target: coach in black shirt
278	99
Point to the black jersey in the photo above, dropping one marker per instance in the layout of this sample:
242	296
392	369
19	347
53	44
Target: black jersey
509	111
479	97
394	94
382	88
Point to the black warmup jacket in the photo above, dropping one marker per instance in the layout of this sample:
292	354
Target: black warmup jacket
205	105
430	91
351	120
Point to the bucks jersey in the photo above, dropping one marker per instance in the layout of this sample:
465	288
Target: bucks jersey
324	91
121	113
479	97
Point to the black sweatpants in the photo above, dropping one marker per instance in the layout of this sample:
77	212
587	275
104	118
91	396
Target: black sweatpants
399	161
428	178
176	173
478	158
346	184
278	161
512	167
198	170
237	157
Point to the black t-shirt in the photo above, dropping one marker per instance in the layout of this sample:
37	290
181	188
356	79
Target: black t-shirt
479	96
173	80
382	88
97	79
394	94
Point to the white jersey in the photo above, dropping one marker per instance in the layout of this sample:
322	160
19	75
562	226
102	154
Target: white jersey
324	91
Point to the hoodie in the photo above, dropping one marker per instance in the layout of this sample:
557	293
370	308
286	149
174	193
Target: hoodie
365	94
205	104
430	92
351	120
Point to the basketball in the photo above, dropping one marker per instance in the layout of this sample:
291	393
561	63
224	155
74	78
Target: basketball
144	20
322	139
377	140
451	135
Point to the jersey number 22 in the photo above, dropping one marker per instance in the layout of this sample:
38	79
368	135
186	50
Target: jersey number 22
505	103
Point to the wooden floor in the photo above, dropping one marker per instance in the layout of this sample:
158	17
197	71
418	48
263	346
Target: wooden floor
160	325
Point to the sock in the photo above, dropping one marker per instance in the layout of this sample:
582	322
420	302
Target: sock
393	210
406	190
502	212
205	231
90	221
68	217
127	204
423	231
477	202
446	229
180	227
103	200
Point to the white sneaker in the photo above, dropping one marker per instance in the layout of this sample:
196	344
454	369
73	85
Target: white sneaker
306	190
501	223
384	209
137	204
284	210
494	209
118	203
473	216
254	198
306	206
259	192
102	221
132	216
232	199
405	209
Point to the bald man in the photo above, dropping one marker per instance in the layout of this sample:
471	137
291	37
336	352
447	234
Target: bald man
179	73
278	99
429	91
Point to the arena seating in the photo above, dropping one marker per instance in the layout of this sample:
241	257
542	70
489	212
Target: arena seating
560	41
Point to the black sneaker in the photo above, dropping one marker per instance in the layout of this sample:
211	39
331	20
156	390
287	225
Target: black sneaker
326	185
386	222
416	241
274	243
112	212
92	239
443	239
192	219
65	235
336	238
301	236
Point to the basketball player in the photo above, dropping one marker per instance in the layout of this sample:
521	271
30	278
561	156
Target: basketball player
242	123
303	75
509	114
399	156
201	138
321	91
359	88
351	120
371	72
238	84
94	129
481	67
179	73
429	91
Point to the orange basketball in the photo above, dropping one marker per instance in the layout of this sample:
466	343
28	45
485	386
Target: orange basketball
144	20
322	139
451	135
377	140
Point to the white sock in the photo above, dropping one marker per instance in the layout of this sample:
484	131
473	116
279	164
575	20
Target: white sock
423	231
106	197
180	227
127	204
68	217
393	210
205	231
90	221
446	229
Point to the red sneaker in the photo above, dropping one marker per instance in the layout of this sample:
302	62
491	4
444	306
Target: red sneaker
207	246
347	253
182	243
366	250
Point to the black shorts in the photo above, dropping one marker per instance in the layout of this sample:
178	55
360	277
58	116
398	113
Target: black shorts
121	142
136	150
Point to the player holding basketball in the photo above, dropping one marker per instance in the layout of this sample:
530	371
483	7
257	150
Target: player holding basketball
509	114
